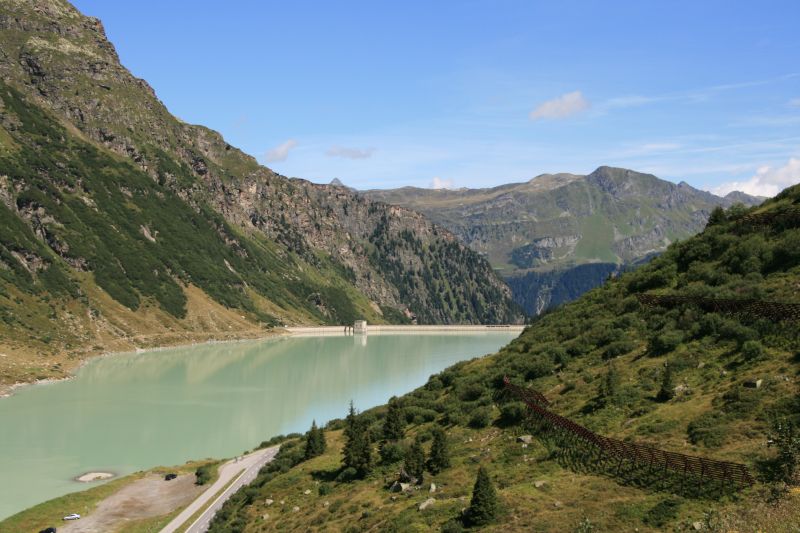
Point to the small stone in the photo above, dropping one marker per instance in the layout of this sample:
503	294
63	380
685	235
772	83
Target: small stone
307	492
527	439
697	526
427	503
557	503
328	503
295	509
701	364
269	501
539	484
265	516
433	487
283	502
394	498
524	445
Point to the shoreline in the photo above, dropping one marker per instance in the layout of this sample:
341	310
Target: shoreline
8	390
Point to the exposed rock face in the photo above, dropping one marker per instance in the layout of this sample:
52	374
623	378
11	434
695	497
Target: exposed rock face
539	232
397	259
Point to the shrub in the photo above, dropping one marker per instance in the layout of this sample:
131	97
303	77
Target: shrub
617	348
662	513
513	413
392	452
202	475
324	489
480	418
752	350
708	429
665	342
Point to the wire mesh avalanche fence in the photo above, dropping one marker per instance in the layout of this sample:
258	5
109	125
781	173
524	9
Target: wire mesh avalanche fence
774	311
621	456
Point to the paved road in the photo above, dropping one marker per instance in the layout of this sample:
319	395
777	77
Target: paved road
244	471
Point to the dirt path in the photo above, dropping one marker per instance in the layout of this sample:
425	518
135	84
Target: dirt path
145	498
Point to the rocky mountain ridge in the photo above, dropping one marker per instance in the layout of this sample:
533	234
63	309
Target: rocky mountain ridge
537	230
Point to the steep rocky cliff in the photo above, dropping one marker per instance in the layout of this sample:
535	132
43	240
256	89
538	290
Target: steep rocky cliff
121	221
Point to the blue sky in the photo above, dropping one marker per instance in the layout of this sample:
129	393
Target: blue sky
479	93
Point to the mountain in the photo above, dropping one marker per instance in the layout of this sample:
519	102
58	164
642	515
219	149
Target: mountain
123	226
682	378
536	233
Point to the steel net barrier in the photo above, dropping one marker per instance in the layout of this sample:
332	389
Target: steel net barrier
685	466
775	311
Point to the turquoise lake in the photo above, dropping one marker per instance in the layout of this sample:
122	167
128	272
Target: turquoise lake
130	412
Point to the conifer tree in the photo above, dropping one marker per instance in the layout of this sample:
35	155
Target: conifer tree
415	460
393	426
667	390
609	385
440	453
315	441
483	506
358	444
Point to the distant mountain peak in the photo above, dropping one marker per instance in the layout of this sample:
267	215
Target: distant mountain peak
336	182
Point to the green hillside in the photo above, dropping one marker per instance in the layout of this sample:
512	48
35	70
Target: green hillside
681	379
124	227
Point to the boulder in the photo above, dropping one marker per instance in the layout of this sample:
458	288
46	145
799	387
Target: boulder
400	487
295	509
525	439
753	383
307	492
539	483
433	487
697	526
427	503
269	501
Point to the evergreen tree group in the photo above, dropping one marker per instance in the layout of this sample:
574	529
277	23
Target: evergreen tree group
315	441
440	453
483	506
415	460
358	444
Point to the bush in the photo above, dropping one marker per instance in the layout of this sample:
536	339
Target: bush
202	475
513	413
665	342
348	474
392	452
752	350
480	418
324	489
662	513
617	348
707	429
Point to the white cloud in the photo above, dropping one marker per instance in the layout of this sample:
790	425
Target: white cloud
280	152
439	183
794	102
767	181
561	107
350	153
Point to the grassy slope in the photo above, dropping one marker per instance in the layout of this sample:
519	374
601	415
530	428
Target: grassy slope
566	354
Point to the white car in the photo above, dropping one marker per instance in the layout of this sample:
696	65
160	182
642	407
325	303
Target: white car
73	516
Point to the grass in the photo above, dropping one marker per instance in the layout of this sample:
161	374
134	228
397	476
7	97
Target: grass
202	509
51	512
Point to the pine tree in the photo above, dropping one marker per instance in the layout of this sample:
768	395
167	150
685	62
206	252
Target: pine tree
393	426
609	385
483	506
315	441
415	460
667	390
440	454
358	444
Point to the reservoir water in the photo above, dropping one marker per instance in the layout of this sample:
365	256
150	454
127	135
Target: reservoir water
131	412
